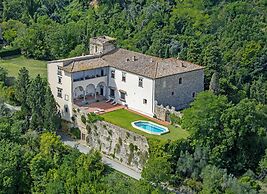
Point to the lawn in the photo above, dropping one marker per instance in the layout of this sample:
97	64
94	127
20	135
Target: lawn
124	118
13	65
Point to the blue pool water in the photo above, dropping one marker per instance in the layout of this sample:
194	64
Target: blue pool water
150	127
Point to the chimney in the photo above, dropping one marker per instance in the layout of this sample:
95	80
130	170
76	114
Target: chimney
151	60
101	45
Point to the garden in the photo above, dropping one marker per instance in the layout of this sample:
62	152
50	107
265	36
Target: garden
124	118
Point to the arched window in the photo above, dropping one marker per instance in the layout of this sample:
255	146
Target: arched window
180	80
194	94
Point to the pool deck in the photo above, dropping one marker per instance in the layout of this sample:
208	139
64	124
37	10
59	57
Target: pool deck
165	123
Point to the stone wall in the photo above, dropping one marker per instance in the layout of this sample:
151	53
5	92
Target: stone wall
163	112
117	143
169	92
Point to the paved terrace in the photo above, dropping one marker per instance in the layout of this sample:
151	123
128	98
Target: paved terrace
99	107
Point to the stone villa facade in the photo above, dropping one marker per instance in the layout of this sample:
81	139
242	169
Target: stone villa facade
124	77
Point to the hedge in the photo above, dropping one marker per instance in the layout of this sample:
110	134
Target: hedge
9	52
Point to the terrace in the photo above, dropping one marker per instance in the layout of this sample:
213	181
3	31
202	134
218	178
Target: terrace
98	107
124	118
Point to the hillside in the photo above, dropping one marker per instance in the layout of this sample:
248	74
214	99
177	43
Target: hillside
226	151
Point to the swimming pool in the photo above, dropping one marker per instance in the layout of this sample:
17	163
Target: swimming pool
150	127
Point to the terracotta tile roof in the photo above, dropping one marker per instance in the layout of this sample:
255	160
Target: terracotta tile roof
137	63
83	65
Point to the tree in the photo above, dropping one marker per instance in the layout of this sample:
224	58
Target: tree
22	89
258	90
157	170
203	118
4	111
214	83
10	174
244	131
36	101
217	180
51	114
3	75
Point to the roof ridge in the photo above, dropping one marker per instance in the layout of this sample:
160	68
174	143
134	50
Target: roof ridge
156	72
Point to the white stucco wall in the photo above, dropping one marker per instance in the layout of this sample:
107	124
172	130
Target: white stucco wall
66	86
135	94
94	81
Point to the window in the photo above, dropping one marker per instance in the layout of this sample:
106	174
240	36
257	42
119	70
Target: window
140	83
66	97
123	95
111	92
59	72
59	92
66	109
164	84
59	80
102	72
172	93
113	74
194	94
123	77
180	80
144	101
83	136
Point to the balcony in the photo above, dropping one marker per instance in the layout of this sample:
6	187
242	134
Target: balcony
89	77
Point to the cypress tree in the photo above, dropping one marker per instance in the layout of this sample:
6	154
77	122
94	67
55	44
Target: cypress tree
36	101
214	83
51	115
21	89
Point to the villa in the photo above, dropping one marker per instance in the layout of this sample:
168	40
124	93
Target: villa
114	77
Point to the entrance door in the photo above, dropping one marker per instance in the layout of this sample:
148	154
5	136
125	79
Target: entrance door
102	91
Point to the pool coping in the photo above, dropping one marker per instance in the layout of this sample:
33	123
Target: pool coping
141	129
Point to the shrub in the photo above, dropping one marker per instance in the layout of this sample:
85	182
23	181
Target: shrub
76	132
9	52
120	141
92	118
110	132
175	119
88	128
83	119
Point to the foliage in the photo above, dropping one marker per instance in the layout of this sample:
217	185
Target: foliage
83	119
50	112
21	89
157	170
3	75
233	133
36	101
92	118
226	37
175	119
75	132
9	52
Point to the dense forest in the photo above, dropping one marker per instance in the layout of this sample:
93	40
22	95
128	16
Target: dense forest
226	152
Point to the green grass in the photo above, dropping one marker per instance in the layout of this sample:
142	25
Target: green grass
124	118
14	64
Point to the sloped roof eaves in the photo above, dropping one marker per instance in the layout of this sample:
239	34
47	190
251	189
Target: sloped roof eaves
162	76
145	66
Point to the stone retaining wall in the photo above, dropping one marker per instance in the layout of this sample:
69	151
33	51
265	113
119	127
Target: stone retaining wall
120	144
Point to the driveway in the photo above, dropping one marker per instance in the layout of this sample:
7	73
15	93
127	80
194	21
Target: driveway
113	164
